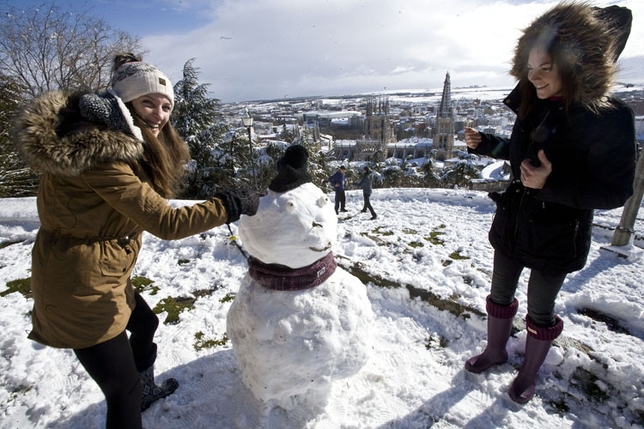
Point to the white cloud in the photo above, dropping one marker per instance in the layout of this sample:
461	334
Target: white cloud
254	49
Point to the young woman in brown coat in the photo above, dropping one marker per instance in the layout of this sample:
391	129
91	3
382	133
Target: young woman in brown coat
109	162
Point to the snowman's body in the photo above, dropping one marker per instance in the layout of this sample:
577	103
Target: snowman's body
291	344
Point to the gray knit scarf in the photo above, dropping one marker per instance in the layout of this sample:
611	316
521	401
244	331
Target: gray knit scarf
107	109
280	277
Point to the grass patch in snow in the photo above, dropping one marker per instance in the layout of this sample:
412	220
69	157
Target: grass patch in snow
379	230
8	243
447	304
20	285
590	384
434	236
174	307
436	341
229	297
141	284
560	406
456	255
611	323
202	343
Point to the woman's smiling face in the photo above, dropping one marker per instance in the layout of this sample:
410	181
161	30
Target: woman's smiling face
543	73
154	109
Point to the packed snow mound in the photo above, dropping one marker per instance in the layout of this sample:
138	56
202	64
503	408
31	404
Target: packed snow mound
294	228
291	345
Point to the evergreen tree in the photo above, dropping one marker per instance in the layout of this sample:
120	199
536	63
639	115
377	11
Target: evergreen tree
197	119
459	175
319	167
266	158
243	160
289	135
16	179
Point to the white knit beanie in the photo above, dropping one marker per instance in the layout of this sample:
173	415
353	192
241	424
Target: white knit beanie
135	79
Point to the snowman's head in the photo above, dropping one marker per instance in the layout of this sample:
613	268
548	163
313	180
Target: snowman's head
293	228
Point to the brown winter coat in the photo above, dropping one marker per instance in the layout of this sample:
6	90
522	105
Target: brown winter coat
93	209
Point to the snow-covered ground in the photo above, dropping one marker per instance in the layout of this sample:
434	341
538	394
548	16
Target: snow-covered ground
426	264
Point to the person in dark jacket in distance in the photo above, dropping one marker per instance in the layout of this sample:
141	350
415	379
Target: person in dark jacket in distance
338	182
109	162
365	184
572	150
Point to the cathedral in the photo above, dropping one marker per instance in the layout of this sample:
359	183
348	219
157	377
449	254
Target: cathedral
379	138
443	135
377	133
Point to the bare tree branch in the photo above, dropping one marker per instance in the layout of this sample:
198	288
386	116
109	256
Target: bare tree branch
49	48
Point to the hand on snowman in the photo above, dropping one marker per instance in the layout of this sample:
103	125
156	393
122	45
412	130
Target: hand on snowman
239	202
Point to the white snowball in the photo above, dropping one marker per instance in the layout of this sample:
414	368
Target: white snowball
294	228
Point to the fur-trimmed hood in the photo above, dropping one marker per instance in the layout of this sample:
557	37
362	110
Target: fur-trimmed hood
54	135
590	38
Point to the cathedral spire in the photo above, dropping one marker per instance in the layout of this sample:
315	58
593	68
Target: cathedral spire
443	133
445	109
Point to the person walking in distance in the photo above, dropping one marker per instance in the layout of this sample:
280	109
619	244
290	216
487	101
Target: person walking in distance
572	150
365	184
338	183
109	162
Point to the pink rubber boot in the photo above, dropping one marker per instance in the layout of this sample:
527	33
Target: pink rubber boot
537	346
499	328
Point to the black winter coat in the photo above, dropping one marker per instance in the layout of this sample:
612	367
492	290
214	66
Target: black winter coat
593	167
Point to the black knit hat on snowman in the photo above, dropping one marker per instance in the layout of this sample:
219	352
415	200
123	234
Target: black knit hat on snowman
135	79
292	170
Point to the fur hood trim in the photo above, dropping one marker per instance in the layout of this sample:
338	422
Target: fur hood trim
587	45
53	137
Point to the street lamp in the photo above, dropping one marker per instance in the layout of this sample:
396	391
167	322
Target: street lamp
248	123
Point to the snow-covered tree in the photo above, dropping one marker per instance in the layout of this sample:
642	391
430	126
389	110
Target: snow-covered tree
197	118
289	134
459	175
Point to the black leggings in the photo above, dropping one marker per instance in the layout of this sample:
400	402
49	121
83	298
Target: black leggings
367	204
115	365
543	288
340	200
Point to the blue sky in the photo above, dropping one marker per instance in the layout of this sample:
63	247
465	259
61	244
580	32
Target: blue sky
271	49
145	17
139	17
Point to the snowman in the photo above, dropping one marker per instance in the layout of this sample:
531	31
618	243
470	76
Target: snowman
299	321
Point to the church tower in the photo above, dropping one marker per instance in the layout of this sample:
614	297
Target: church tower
444	128
378	126
377	123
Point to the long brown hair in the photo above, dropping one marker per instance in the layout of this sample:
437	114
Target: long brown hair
582	47
165	156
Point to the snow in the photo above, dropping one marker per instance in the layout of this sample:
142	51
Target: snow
426	264
291	346
496	171
281	232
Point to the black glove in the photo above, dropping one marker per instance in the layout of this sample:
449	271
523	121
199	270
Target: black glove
239	202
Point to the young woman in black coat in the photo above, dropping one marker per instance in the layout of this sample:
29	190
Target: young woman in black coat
572	150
